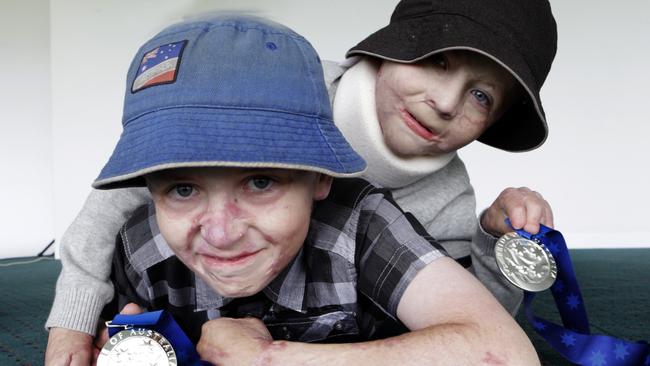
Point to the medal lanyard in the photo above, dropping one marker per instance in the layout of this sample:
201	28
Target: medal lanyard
574	340
163	323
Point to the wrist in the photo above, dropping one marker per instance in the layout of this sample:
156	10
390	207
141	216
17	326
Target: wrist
484	225
271	354
55	331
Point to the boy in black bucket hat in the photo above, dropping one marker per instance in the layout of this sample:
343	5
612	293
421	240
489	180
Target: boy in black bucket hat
519	36
440	75
435	188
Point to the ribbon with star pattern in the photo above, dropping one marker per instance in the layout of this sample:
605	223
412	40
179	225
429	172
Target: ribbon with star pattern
574	340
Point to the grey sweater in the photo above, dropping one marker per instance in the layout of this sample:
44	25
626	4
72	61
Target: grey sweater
442	201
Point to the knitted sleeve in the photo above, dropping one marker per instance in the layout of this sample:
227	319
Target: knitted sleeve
86	250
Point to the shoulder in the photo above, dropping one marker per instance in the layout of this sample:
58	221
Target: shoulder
335	220
359	194
369	220
437	192
140	240
353	207
351	199
136	231
351	192
455	171
356	203
385	246
332	72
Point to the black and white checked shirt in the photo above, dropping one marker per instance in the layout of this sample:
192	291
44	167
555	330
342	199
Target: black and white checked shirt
344	285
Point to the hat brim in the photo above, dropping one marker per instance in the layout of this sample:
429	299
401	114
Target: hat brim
209	137
523	127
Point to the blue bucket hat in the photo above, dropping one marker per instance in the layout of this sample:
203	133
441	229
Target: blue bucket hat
231	91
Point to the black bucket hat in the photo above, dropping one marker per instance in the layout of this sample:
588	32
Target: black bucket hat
519	35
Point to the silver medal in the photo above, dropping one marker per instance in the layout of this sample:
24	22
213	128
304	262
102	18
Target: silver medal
137	347
526	263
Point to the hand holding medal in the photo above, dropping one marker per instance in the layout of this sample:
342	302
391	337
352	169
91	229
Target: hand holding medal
525	208
525	262
573	339
150	338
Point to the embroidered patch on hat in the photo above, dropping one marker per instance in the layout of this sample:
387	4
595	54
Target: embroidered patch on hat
159	66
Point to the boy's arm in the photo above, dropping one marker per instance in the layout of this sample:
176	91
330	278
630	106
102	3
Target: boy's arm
526	209
484	267
454	321
468	238
445	204
86	250
83	287
453	318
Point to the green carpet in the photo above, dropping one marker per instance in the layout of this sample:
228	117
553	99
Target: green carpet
616	291
26	293
614	285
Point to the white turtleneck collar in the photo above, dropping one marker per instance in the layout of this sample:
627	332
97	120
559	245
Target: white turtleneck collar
355	115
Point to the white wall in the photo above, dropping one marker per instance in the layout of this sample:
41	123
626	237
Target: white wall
594	166
591	168
26	216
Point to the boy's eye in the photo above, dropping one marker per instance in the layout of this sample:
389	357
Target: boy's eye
184	190
482	97
259	183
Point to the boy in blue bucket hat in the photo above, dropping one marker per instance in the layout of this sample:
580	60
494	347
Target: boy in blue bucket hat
250	237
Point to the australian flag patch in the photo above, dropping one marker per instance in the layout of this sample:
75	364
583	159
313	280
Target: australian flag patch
159	66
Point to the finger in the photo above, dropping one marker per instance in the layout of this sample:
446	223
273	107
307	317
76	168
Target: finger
535	208
95	355
513	205
101	339
80	359
517	216
548	217
132	309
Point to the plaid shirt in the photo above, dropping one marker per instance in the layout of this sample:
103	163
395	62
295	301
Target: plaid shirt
360	254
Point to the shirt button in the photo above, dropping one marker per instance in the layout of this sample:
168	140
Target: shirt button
338	326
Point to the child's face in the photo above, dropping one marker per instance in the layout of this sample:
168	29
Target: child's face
442	103
236	228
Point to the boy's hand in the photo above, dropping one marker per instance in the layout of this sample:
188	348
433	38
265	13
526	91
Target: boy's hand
227	341
525	208
67	347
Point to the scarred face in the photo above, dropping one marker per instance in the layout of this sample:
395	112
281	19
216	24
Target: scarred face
442	103
236	228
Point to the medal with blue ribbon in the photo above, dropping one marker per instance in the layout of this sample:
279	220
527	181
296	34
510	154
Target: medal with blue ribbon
573	339
151	338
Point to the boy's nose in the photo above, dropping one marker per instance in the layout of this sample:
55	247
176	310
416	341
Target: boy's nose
446	97
221	225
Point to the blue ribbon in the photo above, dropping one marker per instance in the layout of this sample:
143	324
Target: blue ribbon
574	340
163	323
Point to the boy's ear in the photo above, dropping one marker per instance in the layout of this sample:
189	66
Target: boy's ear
323	185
